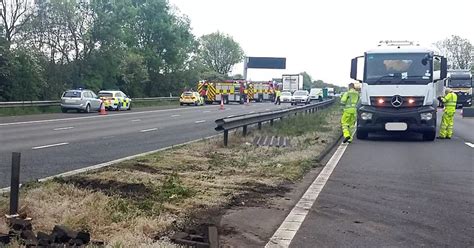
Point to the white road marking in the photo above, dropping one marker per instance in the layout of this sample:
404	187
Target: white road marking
148	130
96	116
267	109
206	111
48	146
470	144
175	115
136	120
251	112
287	230
62	128
201	121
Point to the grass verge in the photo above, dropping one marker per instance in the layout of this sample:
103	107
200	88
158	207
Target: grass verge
135	203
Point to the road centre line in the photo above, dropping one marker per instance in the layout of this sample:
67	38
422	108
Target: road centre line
201	121
62	128
206	111
148	130
136	120
175	115
470	144
290	226
48	146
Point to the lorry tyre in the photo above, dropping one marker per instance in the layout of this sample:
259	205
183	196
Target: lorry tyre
64	110
429	136
362	135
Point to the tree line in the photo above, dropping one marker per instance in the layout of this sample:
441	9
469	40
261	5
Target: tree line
143	47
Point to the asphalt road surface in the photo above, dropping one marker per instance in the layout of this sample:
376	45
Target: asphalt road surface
53	144
397	191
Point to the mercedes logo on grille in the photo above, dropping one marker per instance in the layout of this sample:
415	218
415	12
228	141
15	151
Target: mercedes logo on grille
397	101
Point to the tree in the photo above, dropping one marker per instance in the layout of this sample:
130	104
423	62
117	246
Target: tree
307	81
133	74
14	14
457	50
220	52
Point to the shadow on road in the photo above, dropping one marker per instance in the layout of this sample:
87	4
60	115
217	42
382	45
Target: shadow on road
398	137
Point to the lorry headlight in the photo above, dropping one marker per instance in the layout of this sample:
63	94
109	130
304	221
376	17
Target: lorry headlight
426	116
366	116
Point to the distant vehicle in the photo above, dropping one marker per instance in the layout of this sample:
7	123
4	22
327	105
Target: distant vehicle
316	94
285	96
191	97
115	100
80	100
331	92
292	82
460	81
300	96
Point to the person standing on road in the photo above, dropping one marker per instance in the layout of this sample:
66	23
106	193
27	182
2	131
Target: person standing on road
349	99
447	122
277	96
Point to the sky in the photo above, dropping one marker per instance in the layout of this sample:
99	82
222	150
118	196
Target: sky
321	37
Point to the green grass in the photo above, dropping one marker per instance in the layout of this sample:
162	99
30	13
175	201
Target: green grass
29	110
301	124
17	111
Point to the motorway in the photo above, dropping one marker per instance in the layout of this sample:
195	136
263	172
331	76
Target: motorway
57	143
396	191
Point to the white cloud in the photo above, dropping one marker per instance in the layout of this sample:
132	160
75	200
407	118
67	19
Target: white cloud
321	37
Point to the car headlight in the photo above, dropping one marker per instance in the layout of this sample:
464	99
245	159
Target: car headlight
426	116
366	116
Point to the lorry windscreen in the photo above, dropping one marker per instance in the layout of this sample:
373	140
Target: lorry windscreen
401	68
460	83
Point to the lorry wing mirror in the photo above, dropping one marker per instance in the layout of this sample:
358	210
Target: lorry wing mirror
444	68
354	68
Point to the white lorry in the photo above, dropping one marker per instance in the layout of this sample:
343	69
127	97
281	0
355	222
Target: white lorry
292	82
399	89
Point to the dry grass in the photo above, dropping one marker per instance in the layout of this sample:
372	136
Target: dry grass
132	203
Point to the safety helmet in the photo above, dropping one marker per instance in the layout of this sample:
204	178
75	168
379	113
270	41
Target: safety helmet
448	90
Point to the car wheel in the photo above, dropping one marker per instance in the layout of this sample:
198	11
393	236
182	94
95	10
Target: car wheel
119	106
362	135
196	104
64	110
129	106
88	109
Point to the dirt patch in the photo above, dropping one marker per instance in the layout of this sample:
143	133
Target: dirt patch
135	191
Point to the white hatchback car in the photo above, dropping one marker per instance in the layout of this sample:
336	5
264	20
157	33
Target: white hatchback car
300	97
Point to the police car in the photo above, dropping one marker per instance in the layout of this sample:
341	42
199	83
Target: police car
191	97
115	100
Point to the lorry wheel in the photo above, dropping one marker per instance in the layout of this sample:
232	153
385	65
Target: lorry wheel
362	135
64	110
429	136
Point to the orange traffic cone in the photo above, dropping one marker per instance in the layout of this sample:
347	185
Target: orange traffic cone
102	109
222	103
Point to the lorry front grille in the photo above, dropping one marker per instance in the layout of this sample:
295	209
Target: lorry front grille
407	101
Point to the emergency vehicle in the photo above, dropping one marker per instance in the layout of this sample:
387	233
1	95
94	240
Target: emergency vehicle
115	100
228	91
263	91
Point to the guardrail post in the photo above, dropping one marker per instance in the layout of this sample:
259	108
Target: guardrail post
271	122
259	125
15	183
244	131
226	137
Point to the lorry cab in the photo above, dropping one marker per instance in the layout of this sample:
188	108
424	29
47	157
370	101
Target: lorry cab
398	92
460	81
